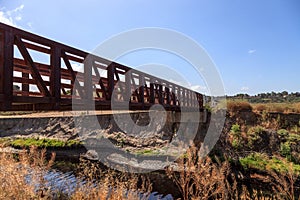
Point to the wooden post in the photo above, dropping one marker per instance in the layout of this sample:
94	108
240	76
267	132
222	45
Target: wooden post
152	92
127	95
88	84
160	94
111	80
2	45
6	68
25	86
179	95
55	77
141	89
173	96
168	96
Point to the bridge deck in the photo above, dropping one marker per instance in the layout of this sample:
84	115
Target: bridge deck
40	74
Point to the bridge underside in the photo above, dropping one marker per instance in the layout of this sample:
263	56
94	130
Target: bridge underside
40	74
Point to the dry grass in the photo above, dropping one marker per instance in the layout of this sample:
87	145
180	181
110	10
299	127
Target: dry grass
196	179
20	176
112	185
236	106
282	183
23	177
201	178
206	179
277	107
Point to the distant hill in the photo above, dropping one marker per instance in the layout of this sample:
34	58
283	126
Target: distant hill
270	97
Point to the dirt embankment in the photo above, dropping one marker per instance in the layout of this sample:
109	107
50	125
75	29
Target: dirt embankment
82	127
89	126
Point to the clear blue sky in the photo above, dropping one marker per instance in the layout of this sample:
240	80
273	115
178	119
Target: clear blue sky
255	44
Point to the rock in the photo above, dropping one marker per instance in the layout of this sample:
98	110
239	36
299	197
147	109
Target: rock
91	155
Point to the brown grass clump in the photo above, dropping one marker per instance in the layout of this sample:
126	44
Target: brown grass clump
23	177
14	180
202	178
112	185
277	107
236	106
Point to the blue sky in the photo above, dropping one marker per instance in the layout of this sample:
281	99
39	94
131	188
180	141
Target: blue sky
254	44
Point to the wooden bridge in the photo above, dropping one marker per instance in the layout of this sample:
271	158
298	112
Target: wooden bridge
40	74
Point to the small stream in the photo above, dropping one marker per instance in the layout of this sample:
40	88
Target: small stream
67	183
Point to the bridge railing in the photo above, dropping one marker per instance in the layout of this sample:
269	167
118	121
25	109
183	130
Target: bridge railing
41	74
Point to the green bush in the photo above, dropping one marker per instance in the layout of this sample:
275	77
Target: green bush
283	133
294	138
254	134
235	129
237	137
285	150
254	160
236	143
262	162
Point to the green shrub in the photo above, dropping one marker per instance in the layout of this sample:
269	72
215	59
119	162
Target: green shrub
294	138
237	137
254	160
262	162
283	133
254	134
235	129
285	150
236	143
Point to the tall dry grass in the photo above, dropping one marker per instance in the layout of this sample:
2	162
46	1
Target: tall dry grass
277	107
283	183
199	178
23	177
236	106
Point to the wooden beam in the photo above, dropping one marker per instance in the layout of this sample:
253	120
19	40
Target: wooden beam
37	48
1	98
2	59
100	80
168	95
127	96
160	94
73	75
6	70
141	88
88	85
34	71
111	80
24	99
55	77
152	92
25	87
